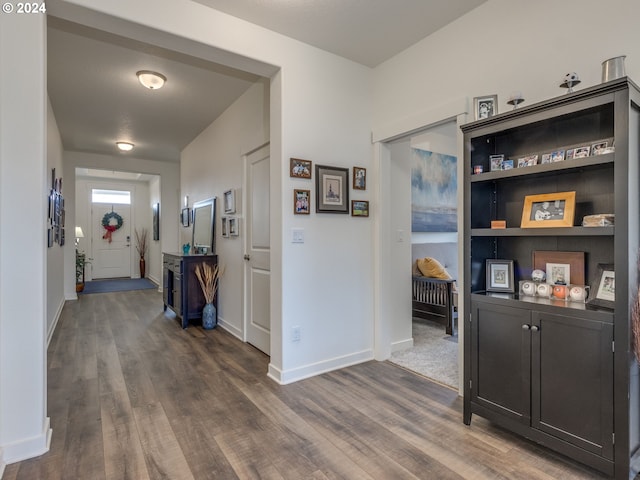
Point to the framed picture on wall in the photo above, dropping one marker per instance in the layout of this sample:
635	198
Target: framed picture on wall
332	189
301	202
185	217
359	178
229	202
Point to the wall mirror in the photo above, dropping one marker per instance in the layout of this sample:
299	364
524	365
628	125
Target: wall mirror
204	226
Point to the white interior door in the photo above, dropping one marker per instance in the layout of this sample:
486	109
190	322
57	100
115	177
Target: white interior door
257	273
111	259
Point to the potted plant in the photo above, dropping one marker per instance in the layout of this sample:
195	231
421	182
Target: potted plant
141	247
81	262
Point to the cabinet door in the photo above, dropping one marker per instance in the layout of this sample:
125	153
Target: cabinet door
177	293
572	380
501	356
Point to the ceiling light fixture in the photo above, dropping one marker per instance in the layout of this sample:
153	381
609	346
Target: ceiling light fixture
151	80
124	146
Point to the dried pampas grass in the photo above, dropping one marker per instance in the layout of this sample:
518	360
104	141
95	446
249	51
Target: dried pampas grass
208	276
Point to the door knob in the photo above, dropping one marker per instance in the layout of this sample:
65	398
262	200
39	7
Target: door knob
247	257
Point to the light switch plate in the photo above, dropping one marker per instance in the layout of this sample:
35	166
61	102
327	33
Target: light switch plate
297	235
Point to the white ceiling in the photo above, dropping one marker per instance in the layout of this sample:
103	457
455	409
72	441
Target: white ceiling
97	99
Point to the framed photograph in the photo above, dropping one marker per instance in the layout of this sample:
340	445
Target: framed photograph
332	189
359	178
557	156
360	208
528	161
50	237
558	273
233	227
486	106
229	201
549	210
299	168
582	152
156	221
597	148
225	227
507	164
496	162
545	158
185	217
575	273
500	276
603	288
301	202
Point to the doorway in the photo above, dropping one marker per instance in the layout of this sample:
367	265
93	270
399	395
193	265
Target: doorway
424	188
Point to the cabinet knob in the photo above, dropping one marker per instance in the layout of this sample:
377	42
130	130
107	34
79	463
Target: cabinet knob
247	257
535	328
526	327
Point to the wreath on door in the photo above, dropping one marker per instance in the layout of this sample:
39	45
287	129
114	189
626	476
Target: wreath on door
111	222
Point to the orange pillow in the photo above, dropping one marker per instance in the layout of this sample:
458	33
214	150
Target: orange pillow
432	268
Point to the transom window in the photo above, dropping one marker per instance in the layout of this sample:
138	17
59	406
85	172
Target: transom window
111	196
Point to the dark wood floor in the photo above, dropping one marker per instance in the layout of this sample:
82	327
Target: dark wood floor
133	396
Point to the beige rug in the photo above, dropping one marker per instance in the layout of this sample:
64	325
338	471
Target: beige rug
434	354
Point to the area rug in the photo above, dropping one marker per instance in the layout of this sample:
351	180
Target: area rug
434	354
117	285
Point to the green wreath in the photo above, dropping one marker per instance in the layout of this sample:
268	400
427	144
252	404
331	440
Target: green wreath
108	226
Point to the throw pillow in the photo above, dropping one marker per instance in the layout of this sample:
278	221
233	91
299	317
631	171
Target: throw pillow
432	268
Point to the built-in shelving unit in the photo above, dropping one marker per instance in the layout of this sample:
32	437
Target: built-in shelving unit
559	373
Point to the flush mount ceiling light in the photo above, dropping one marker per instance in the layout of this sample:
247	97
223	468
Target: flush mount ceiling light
124	146
151	80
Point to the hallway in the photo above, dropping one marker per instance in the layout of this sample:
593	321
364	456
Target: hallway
133	396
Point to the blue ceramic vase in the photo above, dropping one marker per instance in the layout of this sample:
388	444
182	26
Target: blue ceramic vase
209	316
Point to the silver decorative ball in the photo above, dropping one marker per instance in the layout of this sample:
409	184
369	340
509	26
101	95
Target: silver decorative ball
571	77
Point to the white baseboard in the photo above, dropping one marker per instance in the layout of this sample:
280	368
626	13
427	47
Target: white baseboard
283	377
54	324
29	447
402	345
235	331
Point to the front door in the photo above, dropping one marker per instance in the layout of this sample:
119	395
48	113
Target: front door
257	274
111	259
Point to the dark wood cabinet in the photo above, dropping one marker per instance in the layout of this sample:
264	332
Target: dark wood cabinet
180	286
560	373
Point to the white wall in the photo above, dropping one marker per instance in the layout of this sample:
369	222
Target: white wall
211	165
24	426
505	46
55	254
169	184
141	217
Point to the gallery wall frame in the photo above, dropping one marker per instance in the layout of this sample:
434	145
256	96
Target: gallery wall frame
332	189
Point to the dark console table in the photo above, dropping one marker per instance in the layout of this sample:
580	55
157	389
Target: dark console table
180	287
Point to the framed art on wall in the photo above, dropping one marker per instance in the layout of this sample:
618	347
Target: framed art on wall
156	221
299	168
360	208
229	201
359	178
301	202
332	189
185	217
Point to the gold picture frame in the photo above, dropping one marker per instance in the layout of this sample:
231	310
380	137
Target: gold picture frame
549	210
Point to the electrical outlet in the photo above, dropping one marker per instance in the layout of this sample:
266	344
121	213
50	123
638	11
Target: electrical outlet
295	334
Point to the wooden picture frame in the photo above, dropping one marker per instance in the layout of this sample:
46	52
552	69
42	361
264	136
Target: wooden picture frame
359	178
603	288
229	201
500	277
485	107
301	202
299	168
359	208
185	217
575	260
332	189
549	210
